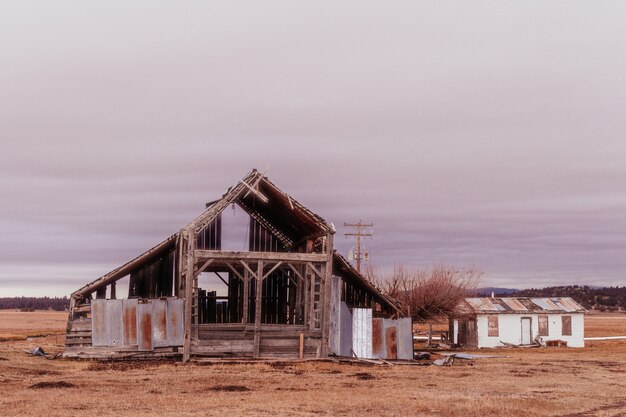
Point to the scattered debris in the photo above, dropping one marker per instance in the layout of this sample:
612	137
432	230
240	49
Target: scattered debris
512	345
448	358
38	351
471	356
556	343
445	361
230	388
52	384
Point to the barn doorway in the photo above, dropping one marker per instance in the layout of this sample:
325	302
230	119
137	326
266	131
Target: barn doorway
527	332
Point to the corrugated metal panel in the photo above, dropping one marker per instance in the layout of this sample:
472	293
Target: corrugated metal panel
514	304
334	333
345	331
362	332
481	304
115	326
500	307
99	323
175	325
378	343
523	305
566	304
144	326
130	322
405	338
545	304
159	322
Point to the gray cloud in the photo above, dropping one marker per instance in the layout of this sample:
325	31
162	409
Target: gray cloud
487	134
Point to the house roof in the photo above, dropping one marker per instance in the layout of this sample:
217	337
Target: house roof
522	305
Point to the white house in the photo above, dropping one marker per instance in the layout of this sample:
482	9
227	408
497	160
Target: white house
493	322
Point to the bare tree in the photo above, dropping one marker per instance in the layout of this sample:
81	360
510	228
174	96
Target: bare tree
426	294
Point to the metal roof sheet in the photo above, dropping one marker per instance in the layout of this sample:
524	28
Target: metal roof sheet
523	305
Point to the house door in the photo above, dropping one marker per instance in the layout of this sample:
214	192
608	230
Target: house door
472	334
527	333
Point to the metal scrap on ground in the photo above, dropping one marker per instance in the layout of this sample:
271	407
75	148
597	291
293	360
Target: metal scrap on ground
38	351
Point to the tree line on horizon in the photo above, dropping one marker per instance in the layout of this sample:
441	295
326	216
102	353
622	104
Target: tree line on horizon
600	299
34	303
423	293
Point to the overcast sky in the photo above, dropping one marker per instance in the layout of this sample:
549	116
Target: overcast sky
471	133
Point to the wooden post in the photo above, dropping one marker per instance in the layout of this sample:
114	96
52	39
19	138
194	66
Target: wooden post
325	294
310	300
301	356
257	313
246	296
101	293
189	276
299	297
113	291
70	316
430	334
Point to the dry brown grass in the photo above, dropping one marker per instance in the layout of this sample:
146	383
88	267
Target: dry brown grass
522	382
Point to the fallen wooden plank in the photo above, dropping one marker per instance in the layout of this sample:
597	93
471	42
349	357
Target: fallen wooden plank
606	338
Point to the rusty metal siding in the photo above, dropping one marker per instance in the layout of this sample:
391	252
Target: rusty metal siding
175	322
114	323
130	322
144	326
391	340
99	323
362	332
378	343
405	338
159	322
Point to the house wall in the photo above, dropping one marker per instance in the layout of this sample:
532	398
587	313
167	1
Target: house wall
509	326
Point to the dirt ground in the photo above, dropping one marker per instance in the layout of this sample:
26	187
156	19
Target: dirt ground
520	382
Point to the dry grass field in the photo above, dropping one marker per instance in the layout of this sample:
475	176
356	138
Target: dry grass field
520	382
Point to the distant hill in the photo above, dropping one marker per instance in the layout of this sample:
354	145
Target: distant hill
590	297
486	291
34	303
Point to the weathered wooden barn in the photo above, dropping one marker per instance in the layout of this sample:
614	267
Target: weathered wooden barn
495	322
285	296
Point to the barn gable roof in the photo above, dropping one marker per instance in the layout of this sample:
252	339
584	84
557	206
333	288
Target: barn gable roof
287	219
522	305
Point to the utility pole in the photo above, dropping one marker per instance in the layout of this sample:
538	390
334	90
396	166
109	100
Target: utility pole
359	232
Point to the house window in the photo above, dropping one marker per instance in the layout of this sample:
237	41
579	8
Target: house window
567	325
492	326
543	326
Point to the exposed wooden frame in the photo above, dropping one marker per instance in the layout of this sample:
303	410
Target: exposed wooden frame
232	268
279	263
320	274
201	254
257	312
250	271
189	296
246	295
126	269
327	289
